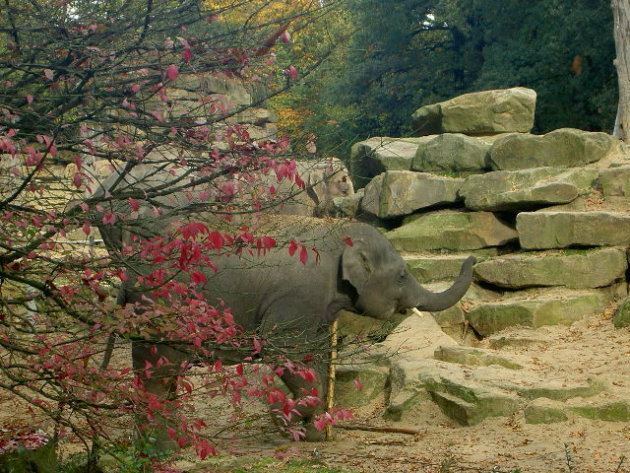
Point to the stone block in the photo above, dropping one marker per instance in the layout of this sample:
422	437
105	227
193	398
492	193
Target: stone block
565	147
573	269
397	193
451	230
485	112
526	189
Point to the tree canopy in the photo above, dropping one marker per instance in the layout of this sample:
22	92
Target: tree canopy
405	54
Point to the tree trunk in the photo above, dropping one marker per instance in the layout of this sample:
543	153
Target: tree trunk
621	16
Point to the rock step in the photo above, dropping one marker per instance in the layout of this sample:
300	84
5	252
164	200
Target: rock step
584	222
585	268
451	230
373	156
526	189
397	193
469	396
565	147
576	269
603	408
418	363
538	307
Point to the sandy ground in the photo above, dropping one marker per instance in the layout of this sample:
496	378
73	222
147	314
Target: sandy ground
589	348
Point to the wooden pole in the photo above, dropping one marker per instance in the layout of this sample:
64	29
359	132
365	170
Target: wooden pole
330	382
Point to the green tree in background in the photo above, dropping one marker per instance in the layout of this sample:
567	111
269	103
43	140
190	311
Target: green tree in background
405	54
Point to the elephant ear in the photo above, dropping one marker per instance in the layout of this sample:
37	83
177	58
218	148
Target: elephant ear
316	183
355	265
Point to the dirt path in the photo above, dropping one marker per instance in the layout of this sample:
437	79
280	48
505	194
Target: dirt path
589	348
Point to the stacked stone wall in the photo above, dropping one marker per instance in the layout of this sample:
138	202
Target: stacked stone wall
548	216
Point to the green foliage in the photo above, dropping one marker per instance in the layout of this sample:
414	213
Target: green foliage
410	53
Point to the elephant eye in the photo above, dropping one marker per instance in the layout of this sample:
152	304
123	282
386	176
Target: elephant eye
402	276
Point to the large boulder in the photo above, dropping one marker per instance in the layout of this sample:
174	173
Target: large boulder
398	193
376	155
566	147
487	112
615	181
577	269
451	230
526	189
584	222
453	153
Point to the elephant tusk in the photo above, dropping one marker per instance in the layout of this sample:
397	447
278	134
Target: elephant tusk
417	312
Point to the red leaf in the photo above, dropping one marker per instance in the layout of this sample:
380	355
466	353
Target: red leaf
135	88
134	204
293	246
358	384
318	257
193	229
198	277
216	240
172	72
187	55
204	449
303	255
348	241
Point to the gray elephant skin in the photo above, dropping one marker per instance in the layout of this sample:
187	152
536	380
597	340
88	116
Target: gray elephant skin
324	180
292	304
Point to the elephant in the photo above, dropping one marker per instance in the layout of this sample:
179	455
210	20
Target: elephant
324	180
352	267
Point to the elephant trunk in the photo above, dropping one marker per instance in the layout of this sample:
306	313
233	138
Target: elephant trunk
436	301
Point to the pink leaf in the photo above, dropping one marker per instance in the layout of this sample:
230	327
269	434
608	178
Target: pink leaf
29	99
292	72
358	385
134	204
135	88
158	116
172	72
77	180
109	218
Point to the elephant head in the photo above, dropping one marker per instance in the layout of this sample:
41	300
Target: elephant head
327	180
384	284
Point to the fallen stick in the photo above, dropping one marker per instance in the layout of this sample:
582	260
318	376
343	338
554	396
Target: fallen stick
392	430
